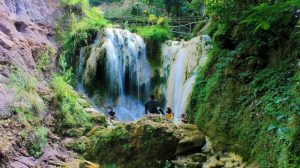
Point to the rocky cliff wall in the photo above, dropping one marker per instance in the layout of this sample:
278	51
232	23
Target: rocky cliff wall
26	30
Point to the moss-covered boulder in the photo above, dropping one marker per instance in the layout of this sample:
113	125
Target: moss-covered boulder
149	142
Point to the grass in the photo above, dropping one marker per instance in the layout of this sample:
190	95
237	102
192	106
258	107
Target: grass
44	59
71	118
28	105
154	33
38	140
83	24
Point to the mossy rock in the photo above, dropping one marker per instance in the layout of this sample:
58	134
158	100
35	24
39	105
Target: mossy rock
149	142
87	164
99	119
75	132
78	145
84	103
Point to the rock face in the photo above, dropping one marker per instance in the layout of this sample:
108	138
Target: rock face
26	30
149	142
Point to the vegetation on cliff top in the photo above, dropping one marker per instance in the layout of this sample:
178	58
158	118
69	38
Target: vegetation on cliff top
83	23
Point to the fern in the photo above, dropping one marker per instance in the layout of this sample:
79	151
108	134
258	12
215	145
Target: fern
265	15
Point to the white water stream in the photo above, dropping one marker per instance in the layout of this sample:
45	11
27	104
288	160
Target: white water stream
127	64
181	62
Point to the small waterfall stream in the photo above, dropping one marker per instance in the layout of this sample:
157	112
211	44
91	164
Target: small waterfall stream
182	61
79	72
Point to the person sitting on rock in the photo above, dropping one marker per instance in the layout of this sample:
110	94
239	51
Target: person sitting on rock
170	114
183	118
152	106
112	114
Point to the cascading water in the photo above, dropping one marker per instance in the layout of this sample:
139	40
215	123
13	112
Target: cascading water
126	70
79	72
181	62
117	67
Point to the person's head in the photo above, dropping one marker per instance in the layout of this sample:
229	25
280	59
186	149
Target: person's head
169	110
152	97
183	115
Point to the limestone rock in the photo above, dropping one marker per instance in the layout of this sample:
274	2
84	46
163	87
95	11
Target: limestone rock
148	142
142	143
25	26
213	162
191	139
87	164
191	161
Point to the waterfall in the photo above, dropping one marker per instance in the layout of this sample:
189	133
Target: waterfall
79	72
118	70
181	63
127	72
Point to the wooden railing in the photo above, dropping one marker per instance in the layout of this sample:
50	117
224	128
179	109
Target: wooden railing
179	25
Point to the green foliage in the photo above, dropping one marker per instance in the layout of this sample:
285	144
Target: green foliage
80	29
246	97
278	14
28	105
22	82
110	166
79	145
184	8
98	2
70	117
102	140
36	141
99	119
43	59
65	70
155	34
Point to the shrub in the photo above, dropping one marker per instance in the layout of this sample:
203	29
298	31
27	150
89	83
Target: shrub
43	59
98	2
28	105
155	33
79	145
81	28
36	141
70	115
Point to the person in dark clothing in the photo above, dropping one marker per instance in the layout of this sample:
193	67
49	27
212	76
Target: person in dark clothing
152	106
183	118
112	114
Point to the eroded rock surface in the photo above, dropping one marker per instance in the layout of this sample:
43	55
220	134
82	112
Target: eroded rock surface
26	30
